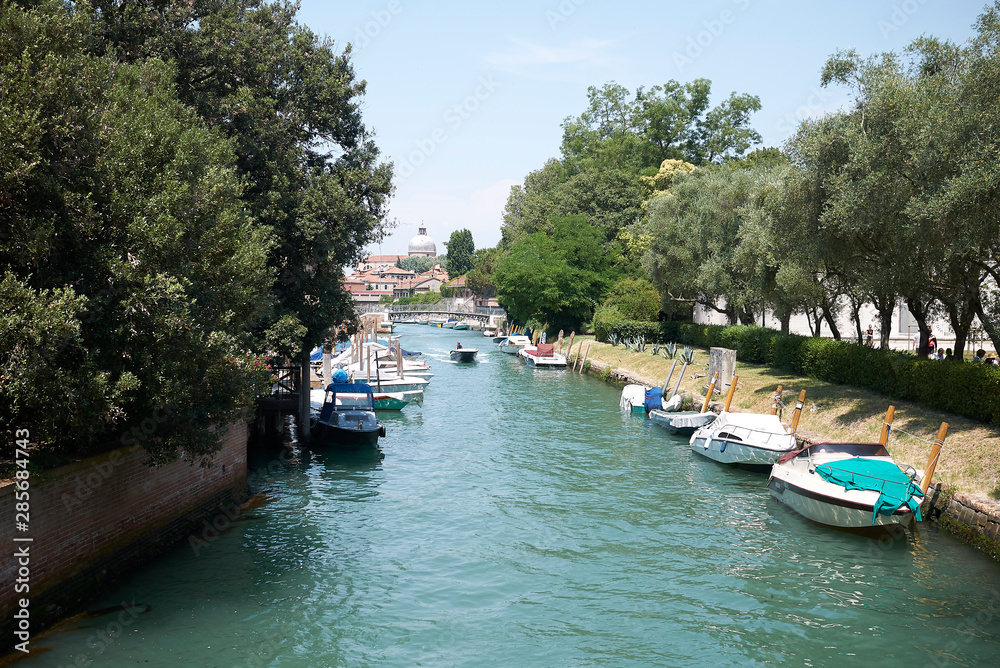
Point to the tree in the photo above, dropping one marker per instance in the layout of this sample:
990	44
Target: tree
635	299
672	121
555	280
482	279
418	263
461	250
291	106
128	252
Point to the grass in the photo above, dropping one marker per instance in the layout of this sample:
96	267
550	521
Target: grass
969	461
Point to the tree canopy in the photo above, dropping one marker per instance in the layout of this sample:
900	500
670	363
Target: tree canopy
179	188
461	251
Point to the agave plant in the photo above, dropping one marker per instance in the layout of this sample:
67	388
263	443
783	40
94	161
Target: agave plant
656	348
613	338
688	355
640	344
671	350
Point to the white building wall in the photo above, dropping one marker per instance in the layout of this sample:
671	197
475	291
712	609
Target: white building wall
903	327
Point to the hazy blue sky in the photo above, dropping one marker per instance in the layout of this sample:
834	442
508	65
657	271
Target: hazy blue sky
467	97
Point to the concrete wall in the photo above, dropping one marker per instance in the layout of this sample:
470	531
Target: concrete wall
93	521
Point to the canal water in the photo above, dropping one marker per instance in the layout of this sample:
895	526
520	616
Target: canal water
518	518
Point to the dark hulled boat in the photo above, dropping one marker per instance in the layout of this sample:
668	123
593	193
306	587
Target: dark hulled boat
347	419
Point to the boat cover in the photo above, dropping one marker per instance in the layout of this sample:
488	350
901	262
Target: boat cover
674	404
632	395
654	399
877	475
691	420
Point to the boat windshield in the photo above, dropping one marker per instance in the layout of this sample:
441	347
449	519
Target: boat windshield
352	400
852	449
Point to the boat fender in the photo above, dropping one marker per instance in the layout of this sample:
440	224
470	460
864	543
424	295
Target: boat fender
381	431
708	442
722	446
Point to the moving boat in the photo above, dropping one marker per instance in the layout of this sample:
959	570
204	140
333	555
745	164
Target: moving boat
748	440
848	485
347	419
543	356
460	354
513	343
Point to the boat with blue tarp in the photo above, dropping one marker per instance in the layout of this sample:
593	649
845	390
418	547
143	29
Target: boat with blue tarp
848	485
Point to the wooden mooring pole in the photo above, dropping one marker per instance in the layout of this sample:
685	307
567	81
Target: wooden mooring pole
887	425
932	461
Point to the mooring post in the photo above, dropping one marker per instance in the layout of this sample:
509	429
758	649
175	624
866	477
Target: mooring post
585	355
711	389
887	425
304	385
933	459
669	376
732	391
798	410
776	400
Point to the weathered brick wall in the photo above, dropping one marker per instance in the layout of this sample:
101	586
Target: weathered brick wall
981	514
95	520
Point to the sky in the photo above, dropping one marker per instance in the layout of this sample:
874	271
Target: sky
466	98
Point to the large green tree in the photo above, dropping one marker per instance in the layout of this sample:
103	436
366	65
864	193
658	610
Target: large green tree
553	279
291	105
128	256
461	251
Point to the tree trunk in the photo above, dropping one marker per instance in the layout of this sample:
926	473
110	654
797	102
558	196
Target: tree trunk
828	316
786	322
856	316
961	315
885	304
920	312
988	325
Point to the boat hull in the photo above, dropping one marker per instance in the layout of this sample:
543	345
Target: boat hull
742	455
553	362
837	511
330	436
464	355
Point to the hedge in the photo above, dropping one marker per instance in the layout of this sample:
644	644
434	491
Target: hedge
970	390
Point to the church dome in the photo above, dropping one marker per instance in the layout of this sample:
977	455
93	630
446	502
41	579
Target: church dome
422	245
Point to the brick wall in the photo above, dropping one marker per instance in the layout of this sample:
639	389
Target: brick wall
95	520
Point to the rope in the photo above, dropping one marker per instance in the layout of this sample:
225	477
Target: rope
919	438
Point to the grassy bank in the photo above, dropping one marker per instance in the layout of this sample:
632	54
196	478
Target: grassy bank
970	460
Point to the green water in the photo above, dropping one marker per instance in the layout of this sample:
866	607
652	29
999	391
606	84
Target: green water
519	519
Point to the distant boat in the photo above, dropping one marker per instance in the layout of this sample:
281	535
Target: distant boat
347	419
543	356
450	323
464	354
462	324
513	343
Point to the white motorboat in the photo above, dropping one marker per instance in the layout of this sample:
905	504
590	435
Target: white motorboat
848	485
682	423
748	440
633	398
513	343
543	356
